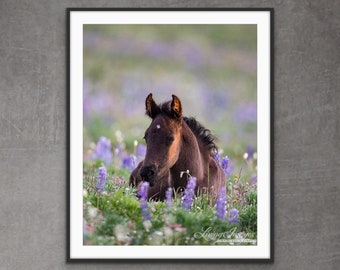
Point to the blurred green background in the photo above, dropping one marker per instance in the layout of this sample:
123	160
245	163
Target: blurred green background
211	68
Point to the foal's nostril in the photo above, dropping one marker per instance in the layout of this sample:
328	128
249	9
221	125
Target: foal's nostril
148	173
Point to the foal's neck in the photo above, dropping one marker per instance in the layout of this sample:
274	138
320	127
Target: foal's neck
190	156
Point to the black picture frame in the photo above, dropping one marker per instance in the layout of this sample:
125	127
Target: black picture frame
70	143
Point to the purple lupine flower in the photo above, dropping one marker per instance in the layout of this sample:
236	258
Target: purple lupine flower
233	216
143	198
254	179
249	153
216	156
168	197
143	191
221	204
101	179
119	150
141	151
130	162
225	164
103	150
189	192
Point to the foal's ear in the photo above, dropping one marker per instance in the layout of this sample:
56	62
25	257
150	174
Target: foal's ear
176	107
151	107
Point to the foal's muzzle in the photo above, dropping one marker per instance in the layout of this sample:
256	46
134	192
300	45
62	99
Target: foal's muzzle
148	174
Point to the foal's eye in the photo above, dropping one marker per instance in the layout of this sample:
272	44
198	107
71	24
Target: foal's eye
169	140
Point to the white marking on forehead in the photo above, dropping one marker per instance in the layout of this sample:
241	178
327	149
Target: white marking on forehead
158	126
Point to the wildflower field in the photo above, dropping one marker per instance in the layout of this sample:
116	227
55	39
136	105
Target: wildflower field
213	70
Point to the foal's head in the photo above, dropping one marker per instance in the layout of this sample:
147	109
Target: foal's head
163	138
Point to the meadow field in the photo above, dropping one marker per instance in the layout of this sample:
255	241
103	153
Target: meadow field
212	69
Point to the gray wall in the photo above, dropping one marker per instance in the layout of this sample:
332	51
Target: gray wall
33	134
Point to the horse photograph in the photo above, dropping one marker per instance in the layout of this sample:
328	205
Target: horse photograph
169	135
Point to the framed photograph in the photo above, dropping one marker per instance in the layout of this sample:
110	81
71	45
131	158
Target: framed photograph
170	147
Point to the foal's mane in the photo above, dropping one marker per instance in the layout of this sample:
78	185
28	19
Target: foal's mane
203	134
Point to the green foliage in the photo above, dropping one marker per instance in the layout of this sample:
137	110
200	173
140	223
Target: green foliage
248	217
114	216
